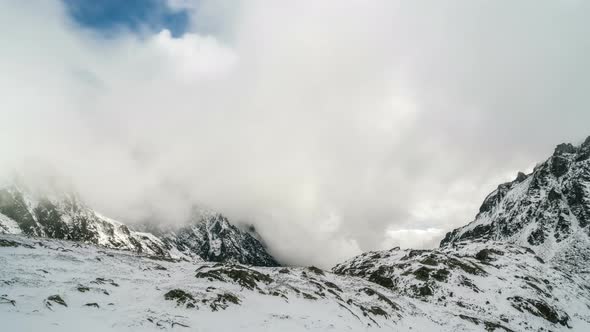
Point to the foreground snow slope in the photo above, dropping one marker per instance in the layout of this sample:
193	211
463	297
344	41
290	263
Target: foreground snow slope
500	286
123	291
105	289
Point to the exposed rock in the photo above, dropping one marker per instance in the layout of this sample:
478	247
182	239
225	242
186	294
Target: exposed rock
181	297
553	202
541	309
55	299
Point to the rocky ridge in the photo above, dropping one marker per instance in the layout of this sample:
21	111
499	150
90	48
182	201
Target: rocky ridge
206	236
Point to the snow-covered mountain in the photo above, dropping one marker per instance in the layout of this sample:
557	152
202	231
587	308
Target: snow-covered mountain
65	216
547	210
521	265
490	285
212	237
207	235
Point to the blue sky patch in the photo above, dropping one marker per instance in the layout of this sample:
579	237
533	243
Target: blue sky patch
109	16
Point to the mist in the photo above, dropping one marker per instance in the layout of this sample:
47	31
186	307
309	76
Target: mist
335	127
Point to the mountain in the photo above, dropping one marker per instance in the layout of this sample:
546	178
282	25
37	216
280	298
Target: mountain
65	216
55	285
522	264
547	210
208	236
490	285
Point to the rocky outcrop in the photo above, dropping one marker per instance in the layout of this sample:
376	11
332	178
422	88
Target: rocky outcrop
547	210
206	236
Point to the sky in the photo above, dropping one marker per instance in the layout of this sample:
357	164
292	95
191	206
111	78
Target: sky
335	127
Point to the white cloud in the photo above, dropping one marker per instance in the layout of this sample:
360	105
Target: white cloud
413	238
194	56
335	126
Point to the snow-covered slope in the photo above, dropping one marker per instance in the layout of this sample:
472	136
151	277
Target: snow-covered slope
522	265
496	286
64	216
56	285
547	210
207	236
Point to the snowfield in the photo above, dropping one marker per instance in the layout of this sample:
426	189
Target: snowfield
122	291
114	290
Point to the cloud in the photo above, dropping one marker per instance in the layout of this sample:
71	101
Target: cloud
413	238
334	126
195	56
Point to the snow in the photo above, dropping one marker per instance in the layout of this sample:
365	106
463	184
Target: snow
30	275
8	226
484	293
139	294
493	280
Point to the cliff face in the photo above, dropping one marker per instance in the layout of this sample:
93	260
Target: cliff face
547	210
207	236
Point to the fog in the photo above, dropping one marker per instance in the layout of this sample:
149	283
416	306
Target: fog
335	127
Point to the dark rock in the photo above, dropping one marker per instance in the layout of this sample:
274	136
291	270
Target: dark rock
377	311
430	260
381	280
181	297
489	326
540	309
222	301
424	290
422	273
5	300
56	299
553	195
9	243
332	285
559	165
316	270
536	237
441	275
102	281
564	148
485	255
468	267
245	277
83	289
520	177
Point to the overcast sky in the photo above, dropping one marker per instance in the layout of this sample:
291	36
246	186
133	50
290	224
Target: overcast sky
334	126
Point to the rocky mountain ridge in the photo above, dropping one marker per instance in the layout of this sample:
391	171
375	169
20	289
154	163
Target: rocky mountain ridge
547	210
206	236
521	265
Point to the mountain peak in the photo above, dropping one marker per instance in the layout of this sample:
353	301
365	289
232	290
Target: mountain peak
208	235
565	148
548	210
520	177
212	237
